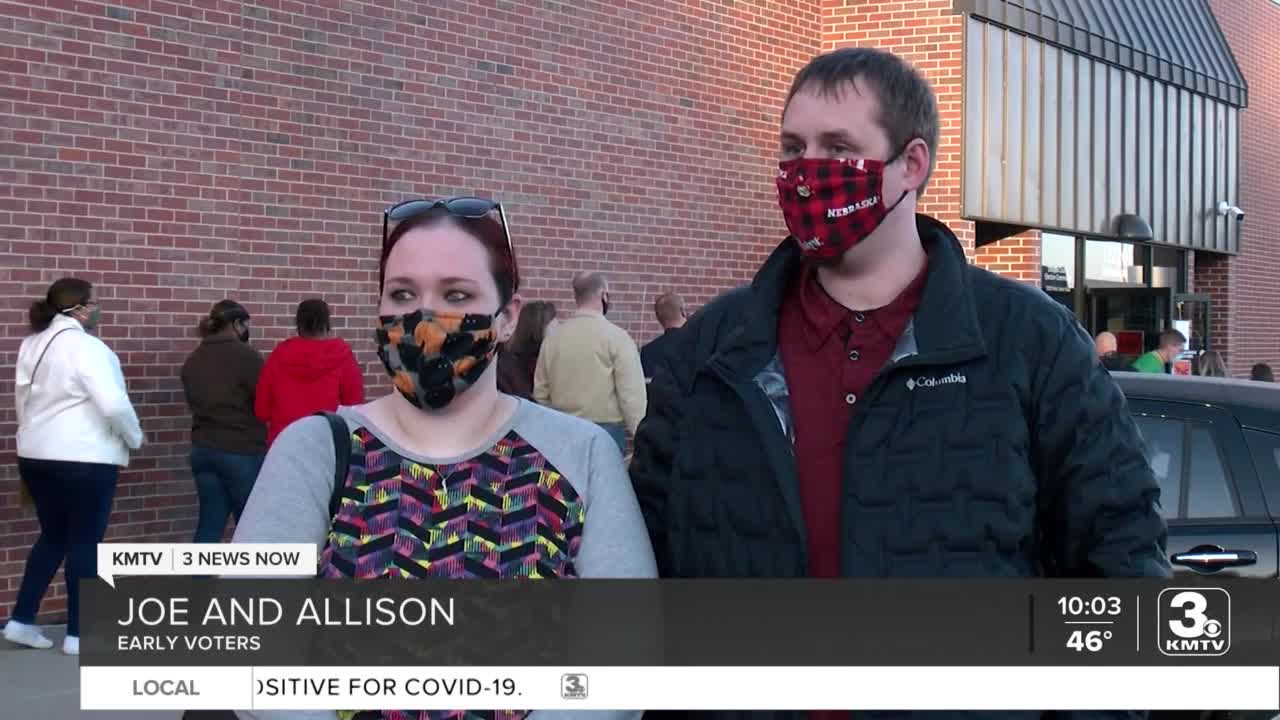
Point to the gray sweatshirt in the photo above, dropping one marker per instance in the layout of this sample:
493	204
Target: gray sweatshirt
290	501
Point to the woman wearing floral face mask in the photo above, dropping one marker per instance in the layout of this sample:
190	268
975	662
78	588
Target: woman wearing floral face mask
448	280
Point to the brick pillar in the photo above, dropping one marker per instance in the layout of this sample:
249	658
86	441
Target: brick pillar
1212	277
1246	306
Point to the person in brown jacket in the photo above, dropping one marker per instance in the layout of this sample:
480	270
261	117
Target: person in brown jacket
228	442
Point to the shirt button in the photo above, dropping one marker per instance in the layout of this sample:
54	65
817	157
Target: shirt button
851	398
859	317
854	355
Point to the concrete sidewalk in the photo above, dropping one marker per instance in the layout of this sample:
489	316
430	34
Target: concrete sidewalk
46	684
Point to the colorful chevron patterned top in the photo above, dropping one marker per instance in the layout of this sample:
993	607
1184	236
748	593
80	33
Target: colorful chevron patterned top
546	496
507	513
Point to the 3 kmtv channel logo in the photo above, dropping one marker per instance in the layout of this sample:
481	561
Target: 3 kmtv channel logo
573	686
1194	622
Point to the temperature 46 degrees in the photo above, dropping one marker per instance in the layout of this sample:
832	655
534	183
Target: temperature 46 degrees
1088	640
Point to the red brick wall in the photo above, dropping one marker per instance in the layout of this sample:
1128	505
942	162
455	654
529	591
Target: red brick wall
1212	277
177	153
1245	287
1017	257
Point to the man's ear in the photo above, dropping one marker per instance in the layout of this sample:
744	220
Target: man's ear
916	162
508	318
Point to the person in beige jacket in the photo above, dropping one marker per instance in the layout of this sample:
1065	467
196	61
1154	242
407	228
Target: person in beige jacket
590	368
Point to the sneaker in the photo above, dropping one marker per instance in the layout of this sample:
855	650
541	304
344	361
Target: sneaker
24	634
71	645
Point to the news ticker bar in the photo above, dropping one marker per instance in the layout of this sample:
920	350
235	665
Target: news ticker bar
158	621
670	688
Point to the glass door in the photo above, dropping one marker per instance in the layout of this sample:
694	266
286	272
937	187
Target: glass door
1131	310
1195	309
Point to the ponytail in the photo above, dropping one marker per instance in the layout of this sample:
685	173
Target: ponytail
211	325
41	315
220	316
63	295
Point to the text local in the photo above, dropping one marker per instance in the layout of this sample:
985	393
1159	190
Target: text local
263	611
165	687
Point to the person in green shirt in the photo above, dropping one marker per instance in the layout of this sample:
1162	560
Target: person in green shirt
1172	344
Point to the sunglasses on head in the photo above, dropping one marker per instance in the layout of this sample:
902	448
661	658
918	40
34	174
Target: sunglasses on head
467	208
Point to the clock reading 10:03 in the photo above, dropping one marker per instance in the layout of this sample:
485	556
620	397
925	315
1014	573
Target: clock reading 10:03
1076	606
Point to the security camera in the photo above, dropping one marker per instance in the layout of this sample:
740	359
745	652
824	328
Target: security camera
1227	209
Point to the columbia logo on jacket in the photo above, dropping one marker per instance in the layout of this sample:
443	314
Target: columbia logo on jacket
932	382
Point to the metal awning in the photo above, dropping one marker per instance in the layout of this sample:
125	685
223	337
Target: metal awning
1105	118
1177	42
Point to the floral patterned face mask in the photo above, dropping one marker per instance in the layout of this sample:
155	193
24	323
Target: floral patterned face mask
432	357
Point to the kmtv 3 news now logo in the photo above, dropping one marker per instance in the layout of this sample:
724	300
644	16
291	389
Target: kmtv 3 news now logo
1194	622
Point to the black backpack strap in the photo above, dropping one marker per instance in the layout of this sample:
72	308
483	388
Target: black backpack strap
42	353
40	360
341	457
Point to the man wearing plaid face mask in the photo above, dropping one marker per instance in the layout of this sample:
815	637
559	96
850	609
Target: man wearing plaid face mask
872	405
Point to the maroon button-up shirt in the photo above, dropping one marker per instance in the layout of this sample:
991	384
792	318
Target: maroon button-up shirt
830	355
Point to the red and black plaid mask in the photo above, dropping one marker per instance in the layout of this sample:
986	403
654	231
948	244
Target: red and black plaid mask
832	205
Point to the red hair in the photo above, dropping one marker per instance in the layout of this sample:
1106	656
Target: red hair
488	231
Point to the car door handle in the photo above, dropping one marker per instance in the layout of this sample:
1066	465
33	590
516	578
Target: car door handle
1211	557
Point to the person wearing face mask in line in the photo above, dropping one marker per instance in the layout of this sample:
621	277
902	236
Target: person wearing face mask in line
311	372
228	441
76	427
449	282
670	311
590	368
872	404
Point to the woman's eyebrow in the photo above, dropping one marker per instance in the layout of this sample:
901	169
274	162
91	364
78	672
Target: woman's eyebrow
412	282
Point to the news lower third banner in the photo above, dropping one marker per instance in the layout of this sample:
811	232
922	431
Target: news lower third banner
243	643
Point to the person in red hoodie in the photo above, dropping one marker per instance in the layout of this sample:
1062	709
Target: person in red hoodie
307	374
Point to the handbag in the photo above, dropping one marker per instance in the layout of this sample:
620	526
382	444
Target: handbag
24	493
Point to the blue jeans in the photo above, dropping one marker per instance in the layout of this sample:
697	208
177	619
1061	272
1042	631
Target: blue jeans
223	483
73	505
618	432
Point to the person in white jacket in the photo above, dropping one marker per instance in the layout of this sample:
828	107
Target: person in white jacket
76	427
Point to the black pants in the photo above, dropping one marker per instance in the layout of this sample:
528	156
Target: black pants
224	481
73	504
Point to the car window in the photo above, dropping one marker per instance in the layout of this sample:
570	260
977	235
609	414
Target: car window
1209	494
1163	443
1265	448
